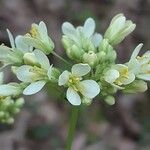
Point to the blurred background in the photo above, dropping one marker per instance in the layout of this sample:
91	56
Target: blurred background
43	122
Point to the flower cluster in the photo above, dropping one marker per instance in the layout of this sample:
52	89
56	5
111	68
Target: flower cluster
92	67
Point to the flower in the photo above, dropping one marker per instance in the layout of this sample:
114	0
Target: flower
77	41
38	38
118	29
140	65
13	55
119	75
37	75
79	89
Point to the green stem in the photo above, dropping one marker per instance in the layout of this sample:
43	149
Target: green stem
73	121
55	54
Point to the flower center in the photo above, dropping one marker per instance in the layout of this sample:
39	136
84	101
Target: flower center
74	82
34	32
124	74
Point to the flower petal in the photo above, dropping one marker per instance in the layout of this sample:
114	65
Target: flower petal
145	77
89	27
73	97
69	30
42	59
89	88
111	75
96	39
11	39
136	51
21	45
131	78
80	69
43	30
63	78
24	74
34	87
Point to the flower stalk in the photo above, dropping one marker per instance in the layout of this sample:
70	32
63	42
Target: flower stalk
72	126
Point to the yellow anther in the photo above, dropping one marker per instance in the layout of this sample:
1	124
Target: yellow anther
34	32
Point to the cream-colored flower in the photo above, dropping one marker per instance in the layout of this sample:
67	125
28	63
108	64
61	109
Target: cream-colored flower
140	65
78	89
119	75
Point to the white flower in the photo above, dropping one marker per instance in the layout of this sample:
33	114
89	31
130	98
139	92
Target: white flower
37	76
118	29
140	65
38	38
13	55
78	89
119	75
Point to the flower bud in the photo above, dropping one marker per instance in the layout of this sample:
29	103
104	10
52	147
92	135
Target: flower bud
110	100
76	52
90	58
88	45
30	59
86	101
66	42
118	29
19	102
136	87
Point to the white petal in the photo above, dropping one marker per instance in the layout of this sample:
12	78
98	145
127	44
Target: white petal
11	38
96	39
73	97
63	78
24	74
144	77
80	69
21	45
89	88
43	30
136	51
131	78
111	75
69	30
34	87
42	59
134	66
89	27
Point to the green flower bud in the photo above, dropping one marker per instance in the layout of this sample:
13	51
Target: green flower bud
110	100
19	102
30	59
105	46
67	43
118	29
86	101
136	87
88	45
76	53
90	58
